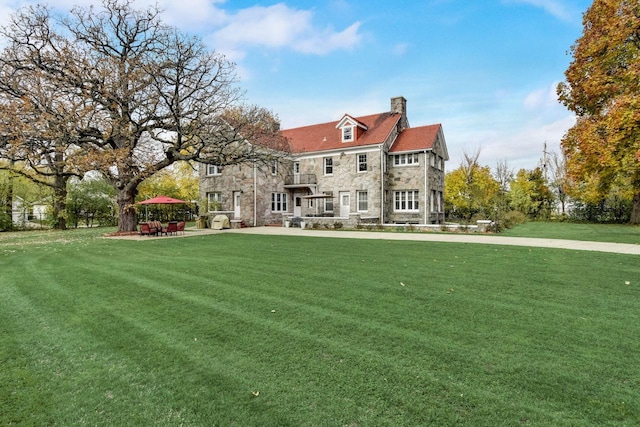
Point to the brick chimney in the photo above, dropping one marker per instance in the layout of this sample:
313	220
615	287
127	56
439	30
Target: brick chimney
399	106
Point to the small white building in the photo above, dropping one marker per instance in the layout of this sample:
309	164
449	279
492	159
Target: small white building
25	214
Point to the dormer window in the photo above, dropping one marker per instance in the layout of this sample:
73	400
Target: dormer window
347	134
351	128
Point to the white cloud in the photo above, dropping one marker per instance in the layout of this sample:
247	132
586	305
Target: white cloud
557	8
541	98
281	27
400	49
273	27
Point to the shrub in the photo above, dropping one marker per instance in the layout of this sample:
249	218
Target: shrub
511	219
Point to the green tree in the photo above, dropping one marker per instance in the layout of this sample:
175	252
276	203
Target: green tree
148	95
91	200
602	87
16	187
179	181
531	195
470	190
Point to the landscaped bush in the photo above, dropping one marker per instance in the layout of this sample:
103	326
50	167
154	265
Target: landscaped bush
511	219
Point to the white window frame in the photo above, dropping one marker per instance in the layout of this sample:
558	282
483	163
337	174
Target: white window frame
362	201
406	201
328	202
214	170
213	197
362	162
326	166
279	202
348	133
406	159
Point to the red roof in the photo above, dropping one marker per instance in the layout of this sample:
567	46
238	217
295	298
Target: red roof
326	136
420	138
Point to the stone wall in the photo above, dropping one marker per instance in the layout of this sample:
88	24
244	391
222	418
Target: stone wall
346	178
244	179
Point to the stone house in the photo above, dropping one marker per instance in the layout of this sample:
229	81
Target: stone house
372	169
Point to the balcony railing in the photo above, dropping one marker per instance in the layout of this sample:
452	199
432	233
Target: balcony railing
301	179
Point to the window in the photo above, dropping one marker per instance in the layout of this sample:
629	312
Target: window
362	162
328	202
362	198
405	159
405	200
214	201
214	170
328	166
279	202
274	167
347	134
296	168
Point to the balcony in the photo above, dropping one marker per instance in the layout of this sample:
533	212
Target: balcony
303	180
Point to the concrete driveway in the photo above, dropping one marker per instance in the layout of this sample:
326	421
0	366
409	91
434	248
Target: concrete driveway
487	239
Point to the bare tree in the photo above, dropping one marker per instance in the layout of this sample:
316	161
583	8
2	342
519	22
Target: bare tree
139	95
560	181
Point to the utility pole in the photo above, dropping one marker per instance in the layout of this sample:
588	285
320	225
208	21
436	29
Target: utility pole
544	160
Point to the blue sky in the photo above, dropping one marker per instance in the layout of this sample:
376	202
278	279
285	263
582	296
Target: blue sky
485	69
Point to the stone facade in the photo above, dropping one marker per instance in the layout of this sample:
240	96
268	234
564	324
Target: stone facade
368	170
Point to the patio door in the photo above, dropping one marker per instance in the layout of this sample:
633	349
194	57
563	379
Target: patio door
236	204
297	204
345	204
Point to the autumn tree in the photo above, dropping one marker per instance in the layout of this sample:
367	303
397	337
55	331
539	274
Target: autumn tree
180	181
148	95
602	87
471	189
36	137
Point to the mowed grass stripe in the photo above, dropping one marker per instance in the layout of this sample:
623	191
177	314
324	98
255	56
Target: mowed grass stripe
494	336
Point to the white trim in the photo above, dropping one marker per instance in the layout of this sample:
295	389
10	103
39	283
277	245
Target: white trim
358	193
415	198
339	151
217	170
324	166
366	163
350	132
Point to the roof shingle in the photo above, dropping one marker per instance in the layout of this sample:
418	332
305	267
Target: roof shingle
419	138
325	136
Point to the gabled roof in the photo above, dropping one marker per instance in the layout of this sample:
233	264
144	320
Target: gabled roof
347	119
325	136
419	138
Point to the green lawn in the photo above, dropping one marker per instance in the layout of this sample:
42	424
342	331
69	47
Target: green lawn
251	330
572	231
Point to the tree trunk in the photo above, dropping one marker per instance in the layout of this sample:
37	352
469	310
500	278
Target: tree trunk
635	210
60	203
127	216
8	207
